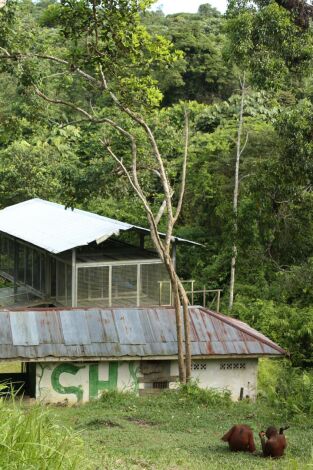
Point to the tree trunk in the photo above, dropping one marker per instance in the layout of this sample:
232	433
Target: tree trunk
179	328
188	354
239	151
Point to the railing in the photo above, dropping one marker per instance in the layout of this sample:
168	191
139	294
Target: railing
196	296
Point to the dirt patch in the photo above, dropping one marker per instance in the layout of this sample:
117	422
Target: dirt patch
140	421
99	423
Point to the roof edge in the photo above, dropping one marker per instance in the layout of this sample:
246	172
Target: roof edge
224	318
158	357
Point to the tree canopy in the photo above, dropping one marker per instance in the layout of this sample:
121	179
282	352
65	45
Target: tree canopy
158	65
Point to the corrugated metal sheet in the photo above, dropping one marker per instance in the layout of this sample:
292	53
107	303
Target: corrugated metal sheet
56	229
85	334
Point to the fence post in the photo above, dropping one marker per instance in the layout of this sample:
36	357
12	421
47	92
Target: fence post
110	285
218	301
160	291
138	284
74	278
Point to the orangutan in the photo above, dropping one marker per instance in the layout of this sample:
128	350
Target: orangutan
240	438
275	444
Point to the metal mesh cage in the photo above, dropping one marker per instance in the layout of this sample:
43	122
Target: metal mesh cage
26	266
63	283
21	264
135	284
155	286
93	286
124	285
7	256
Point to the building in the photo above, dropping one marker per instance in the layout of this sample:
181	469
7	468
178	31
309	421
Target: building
74	355
86	307
55	256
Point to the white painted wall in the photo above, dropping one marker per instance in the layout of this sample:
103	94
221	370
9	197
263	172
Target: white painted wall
73	382
232	379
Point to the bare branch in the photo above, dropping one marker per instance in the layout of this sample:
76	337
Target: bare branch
184	171
139	192
164	179
245	144
160	212
7	54
246	176
79	71
63	103
139	120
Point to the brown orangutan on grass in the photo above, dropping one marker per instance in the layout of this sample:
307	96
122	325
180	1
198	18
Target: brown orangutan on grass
275	444
240	438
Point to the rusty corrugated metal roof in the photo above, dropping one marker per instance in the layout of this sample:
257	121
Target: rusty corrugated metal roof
87	334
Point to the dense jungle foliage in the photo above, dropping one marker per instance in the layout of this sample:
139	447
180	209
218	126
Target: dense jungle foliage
160	65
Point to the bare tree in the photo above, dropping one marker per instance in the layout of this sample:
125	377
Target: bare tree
239	151
167	209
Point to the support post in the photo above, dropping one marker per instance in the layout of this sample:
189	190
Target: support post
160	292
15	274
74	279
218	301
110	286
47	276
142	241
138	285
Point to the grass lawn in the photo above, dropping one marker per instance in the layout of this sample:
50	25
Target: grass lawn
173	431
10	366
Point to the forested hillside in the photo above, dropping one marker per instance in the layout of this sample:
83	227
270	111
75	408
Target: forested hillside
255	57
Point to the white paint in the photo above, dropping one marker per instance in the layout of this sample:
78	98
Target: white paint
45	392
228	379
208	375
55	228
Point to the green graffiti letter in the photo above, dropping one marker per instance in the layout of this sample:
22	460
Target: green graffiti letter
55	380
96	385
133	370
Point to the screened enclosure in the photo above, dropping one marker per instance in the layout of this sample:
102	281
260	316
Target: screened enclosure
122	284
114	275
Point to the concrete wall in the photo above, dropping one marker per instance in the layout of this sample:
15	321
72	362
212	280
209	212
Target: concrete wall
81	382
230	374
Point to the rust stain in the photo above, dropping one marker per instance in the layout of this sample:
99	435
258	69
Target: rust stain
151	333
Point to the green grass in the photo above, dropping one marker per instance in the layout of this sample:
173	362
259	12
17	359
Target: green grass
32	439
180	431
10	366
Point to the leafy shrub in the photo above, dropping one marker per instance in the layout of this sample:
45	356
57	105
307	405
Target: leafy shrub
185	395
209	397
31	439
112	397
290	327
287	389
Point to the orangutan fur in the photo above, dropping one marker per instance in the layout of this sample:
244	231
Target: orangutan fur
240	438
275	444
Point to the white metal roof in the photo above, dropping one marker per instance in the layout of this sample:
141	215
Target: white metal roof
54	228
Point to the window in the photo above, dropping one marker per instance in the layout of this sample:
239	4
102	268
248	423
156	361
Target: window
198	366
160	385
232	365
